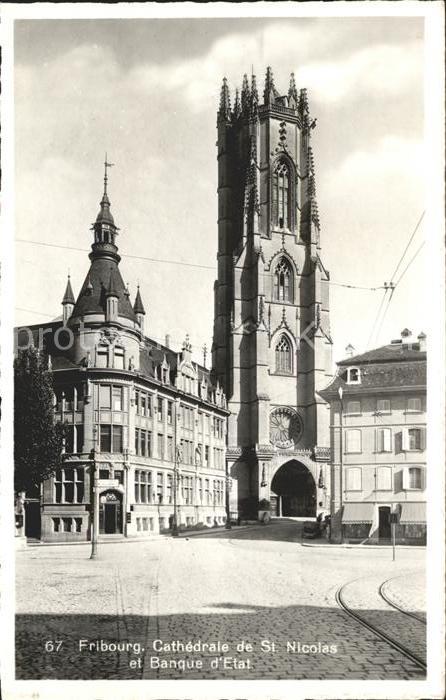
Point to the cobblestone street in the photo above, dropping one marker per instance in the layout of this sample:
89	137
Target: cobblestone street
254	586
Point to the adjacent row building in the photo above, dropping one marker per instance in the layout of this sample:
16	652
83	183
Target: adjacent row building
378	444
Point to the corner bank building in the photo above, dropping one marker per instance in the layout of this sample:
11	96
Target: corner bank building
272	343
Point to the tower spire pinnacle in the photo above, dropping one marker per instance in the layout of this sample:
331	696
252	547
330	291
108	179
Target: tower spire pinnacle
292	93
245	95
225	101
270	93
237	105
68	297
254	96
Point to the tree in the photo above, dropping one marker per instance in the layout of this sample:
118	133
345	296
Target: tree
37	438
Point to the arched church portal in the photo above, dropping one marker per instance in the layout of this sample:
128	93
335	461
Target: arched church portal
293	491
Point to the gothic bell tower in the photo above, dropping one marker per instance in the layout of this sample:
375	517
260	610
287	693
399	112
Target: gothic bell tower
272	344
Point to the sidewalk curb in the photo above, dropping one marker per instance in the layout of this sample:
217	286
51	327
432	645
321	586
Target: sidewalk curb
363	546
150	538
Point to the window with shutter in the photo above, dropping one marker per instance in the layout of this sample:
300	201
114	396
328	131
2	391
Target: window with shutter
414	478
383	406
414	404
384	440
384	479
414	438
353	440
405	442
353	479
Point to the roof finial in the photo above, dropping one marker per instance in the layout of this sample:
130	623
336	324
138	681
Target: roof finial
106	165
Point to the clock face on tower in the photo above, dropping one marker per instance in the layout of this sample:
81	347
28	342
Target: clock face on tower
285	427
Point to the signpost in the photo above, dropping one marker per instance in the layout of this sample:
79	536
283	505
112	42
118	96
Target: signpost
94	507
393	522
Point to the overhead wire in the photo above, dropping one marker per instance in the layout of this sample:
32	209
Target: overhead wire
391	286
179	262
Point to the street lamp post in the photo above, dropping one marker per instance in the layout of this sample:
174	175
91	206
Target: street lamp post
341	461
228	482
175	473
94	501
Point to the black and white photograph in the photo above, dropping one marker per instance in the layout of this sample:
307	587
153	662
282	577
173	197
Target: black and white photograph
223	350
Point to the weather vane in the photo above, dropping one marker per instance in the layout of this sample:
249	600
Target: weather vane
106	165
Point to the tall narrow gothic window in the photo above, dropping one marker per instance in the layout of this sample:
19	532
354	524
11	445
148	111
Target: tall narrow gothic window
284	360
281	196
283	281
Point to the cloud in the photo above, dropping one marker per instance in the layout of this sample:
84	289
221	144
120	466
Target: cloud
380	69
377	70
392	156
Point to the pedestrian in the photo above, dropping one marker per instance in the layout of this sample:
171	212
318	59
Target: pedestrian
322	517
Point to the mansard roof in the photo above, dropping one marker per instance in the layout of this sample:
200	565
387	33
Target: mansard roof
394	352
393	367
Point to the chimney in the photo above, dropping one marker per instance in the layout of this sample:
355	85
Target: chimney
350	350
167	341
406	333
422	341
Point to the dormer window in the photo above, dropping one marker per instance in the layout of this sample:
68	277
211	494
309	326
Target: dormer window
353	375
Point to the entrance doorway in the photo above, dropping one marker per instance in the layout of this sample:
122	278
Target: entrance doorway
294	491
110	513
384	523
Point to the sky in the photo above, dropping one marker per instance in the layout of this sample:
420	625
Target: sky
146	92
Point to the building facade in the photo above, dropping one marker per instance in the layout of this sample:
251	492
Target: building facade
378	444
272	342
148	420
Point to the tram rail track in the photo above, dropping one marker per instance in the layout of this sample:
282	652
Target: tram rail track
393	604
391	641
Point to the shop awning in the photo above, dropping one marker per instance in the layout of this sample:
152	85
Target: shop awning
357	513
413	513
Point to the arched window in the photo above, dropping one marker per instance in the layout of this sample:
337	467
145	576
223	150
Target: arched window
283	281
281	196
284	357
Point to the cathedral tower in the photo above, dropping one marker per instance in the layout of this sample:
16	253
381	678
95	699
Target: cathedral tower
272	344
